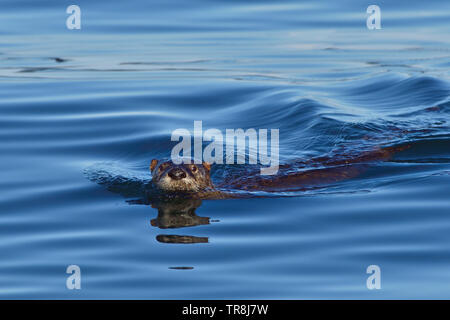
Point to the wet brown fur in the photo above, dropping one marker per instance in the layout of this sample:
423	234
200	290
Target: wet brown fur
325	170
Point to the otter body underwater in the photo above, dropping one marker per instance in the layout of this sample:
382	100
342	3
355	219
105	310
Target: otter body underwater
191	180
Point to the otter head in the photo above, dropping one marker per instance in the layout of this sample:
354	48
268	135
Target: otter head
184	177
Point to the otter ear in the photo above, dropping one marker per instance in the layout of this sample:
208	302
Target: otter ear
207	166
153	164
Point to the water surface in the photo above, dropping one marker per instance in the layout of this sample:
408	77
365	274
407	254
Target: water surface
82	113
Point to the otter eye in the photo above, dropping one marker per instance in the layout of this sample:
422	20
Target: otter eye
163	166
194	168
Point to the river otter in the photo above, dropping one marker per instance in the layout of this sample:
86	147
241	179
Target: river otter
194	181
184	177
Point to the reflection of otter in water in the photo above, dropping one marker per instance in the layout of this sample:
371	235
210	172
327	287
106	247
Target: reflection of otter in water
178	213
194	181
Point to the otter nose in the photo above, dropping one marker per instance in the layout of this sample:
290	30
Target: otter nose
177	174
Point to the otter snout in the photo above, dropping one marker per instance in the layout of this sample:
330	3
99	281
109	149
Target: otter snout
187	177
177	174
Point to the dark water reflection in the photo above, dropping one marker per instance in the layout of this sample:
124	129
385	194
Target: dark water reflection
178	214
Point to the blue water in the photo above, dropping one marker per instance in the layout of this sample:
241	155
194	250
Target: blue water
77	134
